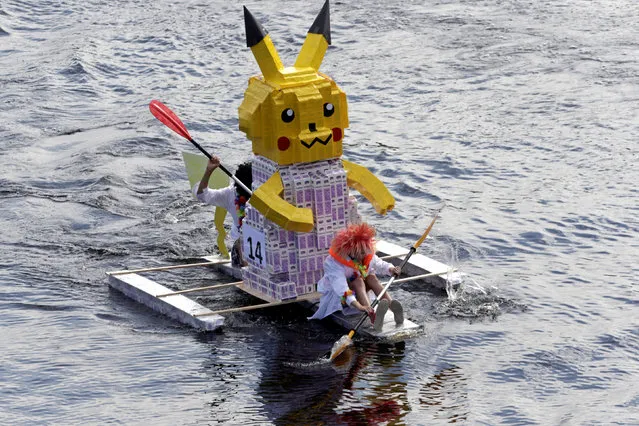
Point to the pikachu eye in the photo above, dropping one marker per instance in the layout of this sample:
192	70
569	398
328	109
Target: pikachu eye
288	115
329	109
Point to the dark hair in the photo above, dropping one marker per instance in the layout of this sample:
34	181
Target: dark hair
244	173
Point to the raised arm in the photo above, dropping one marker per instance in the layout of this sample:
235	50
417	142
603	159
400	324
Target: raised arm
214	163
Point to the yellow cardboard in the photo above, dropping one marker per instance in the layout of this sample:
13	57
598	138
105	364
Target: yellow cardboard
267	199
361	179
298	115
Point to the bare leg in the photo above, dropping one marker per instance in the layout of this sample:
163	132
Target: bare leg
358	286
373	283
398	311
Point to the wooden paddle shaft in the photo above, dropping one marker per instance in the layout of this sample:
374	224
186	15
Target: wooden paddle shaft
425	234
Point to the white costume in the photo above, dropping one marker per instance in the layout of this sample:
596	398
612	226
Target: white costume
334	284
225	198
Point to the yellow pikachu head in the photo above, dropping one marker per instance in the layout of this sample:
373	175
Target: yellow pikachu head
293	114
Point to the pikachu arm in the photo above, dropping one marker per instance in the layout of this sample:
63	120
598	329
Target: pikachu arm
361	179
267	199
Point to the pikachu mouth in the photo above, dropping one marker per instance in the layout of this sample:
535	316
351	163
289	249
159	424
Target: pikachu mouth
322	141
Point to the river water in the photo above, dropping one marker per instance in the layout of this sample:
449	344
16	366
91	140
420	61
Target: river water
522	116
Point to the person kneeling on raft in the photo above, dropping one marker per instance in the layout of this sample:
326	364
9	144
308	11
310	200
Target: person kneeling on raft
232	198
350	271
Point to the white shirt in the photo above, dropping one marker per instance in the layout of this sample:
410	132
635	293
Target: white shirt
334	284
225	198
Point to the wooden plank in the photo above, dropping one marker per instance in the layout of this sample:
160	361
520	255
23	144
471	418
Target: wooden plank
194	290
419	277
257	294
420	264
394	256
304	297
169	267
187	311
226	268
178	307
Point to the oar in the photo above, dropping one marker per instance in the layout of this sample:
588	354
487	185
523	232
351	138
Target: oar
168	117
346	340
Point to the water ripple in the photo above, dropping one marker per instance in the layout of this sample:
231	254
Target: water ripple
518	117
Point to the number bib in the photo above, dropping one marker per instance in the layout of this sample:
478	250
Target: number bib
253	245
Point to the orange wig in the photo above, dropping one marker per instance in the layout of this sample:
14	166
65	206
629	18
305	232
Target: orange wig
355	241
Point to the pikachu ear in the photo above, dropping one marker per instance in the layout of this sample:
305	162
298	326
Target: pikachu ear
317	41
261	45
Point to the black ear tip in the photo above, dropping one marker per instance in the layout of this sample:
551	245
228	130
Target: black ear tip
322	24
254	31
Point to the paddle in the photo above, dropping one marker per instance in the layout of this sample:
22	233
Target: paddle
346	340
168	117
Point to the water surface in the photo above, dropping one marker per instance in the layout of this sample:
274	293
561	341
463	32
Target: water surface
520	116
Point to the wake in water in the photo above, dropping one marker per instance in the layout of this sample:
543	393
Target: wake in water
468	299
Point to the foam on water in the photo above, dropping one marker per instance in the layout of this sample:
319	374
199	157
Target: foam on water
468	299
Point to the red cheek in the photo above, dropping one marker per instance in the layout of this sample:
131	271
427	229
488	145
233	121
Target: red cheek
283	143
337	134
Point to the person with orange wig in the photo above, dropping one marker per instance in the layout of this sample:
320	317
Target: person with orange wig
350	271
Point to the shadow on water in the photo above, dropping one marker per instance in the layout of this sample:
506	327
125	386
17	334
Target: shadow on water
445	395
294	385
369	385
353	390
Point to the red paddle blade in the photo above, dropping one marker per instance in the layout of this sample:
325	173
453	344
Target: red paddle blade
168	117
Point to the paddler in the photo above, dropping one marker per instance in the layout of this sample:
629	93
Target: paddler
232	198
350	271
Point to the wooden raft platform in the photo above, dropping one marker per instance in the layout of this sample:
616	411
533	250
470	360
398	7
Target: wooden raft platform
180	307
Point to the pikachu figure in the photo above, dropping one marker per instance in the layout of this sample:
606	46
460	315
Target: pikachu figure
295	118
